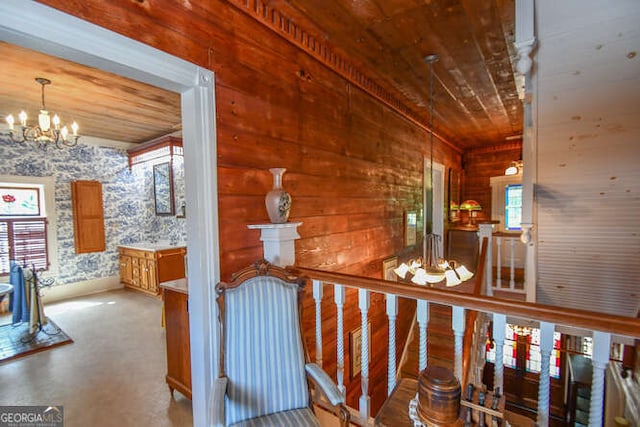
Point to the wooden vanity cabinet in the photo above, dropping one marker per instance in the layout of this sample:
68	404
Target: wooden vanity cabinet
143	270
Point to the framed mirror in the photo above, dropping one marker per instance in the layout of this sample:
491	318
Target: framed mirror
163	188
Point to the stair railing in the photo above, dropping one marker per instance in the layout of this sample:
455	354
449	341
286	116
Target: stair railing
602	325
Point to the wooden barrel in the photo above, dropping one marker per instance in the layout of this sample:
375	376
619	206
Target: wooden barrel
438	396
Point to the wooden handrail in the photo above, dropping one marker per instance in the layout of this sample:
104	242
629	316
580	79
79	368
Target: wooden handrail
619	325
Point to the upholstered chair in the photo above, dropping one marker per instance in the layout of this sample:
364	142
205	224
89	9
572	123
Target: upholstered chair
265	376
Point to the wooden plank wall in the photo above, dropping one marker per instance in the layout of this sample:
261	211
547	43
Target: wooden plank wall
479	166
353	166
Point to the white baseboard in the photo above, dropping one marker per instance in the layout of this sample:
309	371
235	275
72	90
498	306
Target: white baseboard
86	287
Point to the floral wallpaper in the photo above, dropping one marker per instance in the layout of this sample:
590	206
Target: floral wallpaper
129	211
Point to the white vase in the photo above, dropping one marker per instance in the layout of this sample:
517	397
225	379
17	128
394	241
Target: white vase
278	201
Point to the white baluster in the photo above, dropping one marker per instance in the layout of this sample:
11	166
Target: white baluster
600	359
457	323
423	320
364	303
339	298
499	323
392	313
544	386
499	262
512	267
317	296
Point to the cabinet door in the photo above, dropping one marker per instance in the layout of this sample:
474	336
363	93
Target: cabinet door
152	277
126	269
136	271
176	308
88	216
144	274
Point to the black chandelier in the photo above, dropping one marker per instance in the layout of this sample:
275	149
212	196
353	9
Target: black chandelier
48	130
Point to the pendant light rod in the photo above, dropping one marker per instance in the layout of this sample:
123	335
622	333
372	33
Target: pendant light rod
42	81
430	59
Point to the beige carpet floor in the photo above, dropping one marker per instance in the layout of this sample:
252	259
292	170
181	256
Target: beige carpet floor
113	373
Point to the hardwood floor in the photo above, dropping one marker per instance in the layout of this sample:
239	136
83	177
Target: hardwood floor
114	372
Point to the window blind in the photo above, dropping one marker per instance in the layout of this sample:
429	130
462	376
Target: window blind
23	241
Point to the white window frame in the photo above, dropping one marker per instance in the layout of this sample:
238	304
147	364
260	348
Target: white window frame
498	208
47	186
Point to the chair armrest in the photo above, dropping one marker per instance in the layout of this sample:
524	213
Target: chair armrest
326	384
217	402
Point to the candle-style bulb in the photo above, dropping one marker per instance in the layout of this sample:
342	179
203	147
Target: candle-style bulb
74	128
10	121
56	121
23	118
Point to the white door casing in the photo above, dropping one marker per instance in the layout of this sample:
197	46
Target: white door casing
47	30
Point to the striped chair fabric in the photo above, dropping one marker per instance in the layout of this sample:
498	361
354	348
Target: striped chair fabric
264	358
294	418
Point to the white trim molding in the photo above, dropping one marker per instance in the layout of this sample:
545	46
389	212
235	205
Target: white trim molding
44	29
525	36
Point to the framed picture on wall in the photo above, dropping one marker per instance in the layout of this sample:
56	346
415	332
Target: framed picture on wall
410	228
388	265
355	350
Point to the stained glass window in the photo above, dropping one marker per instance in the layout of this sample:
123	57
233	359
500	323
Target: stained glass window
533	357
19	201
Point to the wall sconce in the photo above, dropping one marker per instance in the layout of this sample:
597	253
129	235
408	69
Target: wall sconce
514	169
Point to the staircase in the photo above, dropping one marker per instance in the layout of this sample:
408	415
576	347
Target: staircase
439	343
583	403
581	372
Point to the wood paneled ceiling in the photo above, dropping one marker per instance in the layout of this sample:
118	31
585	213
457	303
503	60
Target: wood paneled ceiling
476	100
104	105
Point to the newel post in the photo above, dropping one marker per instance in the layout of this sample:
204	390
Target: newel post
278	242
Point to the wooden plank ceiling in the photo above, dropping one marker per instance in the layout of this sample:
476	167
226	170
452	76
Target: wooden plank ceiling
104	105
476	101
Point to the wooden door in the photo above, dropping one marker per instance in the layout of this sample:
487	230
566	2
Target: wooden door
88	216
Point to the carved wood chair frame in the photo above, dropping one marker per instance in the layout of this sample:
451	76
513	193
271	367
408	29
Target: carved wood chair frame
264	268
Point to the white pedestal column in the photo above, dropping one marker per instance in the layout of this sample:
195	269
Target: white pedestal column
278	242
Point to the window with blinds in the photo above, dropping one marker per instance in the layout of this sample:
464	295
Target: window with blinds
23	240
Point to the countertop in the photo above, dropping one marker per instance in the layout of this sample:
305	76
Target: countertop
155	246
178	285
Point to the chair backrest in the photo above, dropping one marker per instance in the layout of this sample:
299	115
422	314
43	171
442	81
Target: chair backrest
262	351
